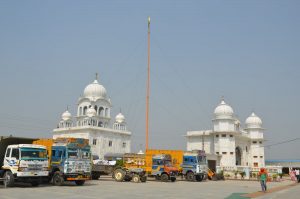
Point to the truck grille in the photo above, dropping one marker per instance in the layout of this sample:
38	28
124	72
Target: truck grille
34	167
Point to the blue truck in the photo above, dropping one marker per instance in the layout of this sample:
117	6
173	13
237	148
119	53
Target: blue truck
69	160
194	165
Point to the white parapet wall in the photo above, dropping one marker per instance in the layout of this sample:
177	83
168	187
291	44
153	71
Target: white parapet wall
235	171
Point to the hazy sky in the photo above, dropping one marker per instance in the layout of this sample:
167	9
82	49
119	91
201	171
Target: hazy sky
246	51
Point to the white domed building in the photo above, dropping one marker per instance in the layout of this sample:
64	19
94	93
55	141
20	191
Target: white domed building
228	145
93	122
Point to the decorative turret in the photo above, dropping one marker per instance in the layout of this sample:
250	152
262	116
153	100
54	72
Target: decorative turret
224	119
120	123
66	120
254	126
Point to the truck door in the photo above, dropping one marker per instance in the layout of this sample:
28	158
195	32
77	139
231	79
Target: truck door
6	160
57	155
11	157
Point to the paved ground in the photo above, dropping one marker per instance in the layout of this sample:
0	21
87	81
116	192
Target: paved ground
107	188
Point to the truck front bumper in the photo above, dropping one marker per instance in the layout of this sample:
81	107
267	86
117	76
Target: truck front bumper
72	177
33	174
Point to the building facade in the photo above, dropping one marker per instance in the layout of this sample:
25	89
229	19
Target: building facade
93	122
234	145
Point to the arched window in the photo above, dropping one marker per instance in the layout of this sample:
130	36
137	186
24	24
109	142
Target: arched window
96	108
100	124
80	110
100	112
238	156
84	110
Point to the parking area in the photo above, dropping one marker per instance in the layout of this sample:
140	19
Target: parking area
105	187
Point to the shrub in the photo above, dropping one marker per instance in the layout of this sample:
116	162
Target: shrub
242	173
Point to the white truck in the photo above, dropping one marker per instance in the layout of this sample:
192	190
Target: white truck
21	161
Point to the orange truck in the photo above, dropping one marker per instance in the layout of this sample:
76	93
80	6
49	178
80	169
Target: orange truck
164	165
69	159
167	164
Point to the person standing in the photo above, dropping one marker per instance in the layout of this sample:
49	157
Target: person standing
297	172
263	179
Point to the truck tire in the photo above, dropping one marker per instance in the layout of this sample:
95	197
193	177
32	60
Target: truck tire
199	178
95	176
164	177
9	178
190	176
57	179
136	178
119	175
143	178
79	182
173	179
35	183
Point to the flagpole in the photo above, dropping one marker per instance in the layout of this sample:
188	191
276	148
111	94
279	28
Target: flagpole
148	88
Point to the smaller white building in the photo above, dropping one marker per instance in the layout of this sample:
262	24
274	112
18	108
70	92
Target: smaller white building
93	121
234	145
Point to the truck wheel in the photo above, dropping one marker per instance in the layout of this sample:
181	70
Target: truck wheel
173	179
58	180
95	176
119	175
136	178
143	178
79	182
190	176
164	177
9	179
199	178
35	184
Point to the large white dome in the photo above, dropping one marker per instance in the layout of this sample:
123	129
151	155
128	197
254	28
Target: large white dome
253	121
94	90
66	115
223	111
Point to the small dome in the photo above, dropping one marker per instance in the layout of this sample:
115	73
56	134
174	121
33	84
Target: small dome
223	111
140	152
94	90
120	118
253	121
66	115
91	112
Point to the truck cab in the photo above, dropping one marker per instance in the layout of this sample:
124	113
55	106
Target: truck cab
194	165
70	161
25	163
162	168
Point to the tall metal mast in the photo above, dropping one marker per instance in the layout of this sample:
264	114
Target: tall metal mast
148	88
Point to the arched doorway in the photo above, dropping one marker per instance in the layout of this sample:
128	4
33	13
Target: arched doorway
238	156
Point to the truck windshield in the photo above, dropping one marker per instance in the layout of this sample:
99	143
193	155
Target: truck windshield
33	153
73	154
168	163
86	154
202	159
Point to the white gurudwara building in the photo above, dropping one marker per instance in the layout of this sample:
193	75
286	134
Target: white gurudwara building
233	145
93	122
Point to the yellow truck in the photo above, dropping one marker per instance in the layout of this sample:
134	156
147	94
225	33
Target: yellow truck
167	164
162	164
